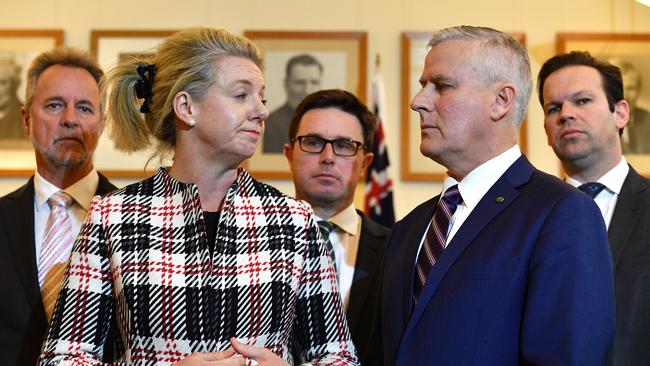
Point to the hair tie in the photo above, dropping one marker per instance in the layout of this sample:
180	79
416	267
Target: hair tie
143	87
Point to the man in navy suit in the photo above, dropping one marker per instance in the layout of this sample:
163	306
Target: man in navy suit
584	115
512	265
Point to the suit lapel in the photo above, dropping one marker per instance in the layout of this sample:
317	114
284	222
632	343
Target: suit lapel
368	259
19	221
497	198
626	214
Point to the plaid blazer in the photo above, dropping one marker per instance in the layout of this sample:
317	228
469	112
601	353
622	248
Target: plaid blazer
142	256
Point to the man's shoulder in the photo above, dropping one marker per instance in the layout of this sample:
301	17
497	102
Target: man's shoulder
369	225
633	177
20	192
104	185
635	191
423	210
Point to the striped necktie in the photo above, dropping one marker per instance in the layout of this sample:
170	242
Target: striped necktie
55	252
435	239
326	228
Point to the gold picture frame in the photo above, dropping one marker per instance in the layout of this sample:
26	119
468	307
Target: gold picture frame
18	47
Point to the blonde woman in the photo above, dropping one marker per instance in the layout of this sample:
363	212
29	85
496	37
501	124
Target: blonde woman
200	256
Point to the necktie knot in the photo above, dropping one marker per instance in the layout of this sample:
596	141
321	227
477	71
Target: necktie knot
325	228
592	189
452	197
60	199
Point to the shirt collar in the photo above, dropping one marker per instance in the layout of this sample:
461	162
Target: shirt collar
347	220
612	180
82	191
475	184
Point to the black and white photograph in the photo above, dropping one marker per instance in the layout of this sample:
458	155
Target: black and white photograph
17	50
296	65
11	78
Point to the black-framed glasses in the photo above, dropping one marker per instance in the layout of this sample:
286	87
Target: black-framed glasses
316	145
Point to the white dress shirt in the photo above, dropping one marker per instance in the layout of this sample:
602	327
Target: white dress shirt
81	191
474	186
613	182
345	239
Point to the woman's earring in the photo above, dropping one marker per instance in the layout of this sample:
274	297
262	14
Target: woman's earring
191	122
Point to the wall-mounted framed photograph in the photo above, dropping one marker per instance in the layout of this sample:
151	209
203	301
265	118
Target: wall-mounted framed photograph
297	64
110	47
631	53
18	48
415	166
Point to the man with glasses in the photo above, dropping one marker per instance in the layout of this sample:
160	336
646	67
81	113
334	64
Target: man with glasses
331	136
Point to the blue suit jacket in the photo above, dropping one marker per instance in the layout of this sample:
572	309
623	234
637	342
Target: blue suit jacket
527	279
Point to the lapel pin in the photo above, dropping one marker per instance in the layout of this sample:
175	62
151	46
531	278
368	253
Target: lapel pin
500	199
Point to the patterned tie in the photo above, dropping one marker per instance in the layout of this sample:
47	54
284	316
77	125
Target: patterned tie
434	241
57	243
592	189
326	228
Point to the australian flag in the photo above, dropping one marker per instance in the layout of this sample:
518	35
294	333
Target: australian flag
379	186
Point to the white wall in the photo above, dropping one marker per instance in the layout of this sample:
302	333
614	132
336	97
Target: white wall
382	19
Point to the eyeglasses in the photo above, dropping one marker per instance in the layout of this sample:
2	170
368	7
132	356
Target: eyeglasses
316	145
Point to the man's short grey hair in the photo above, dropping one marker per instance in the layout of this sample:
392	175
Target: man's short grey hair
498	58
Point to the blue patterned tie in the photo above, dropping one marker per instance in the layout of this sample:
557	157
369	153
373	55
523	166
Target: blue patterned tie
434	242
326	228
592	189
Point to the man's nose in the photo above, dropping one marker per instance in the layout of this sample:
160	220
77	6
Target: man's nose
69	117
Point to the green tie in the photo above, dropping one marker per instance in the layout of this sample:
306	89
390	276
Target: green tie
326	228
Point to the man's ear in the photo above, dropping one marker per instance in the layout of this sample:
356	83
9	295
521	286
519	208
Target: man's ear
621	114
367	160
288	153
504	101
185	109
25	119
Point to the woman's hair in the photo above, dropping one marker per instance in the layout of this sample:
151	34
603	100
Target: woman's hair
183	62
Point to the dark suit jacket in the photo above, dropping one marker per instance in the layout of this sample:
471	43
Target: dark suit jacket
22	317
364	293
276	130
527	279
629	238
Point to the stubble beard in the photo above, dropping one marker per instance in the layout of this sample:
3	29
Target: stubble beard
62	158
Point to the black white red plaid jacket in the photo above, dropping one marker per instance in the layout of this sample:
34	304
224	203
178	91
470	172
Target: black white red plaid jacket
142	255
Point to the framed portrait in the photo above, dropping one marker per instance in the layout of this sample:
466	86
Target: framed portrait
18	48
415	166
110	47
297	64
631	53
